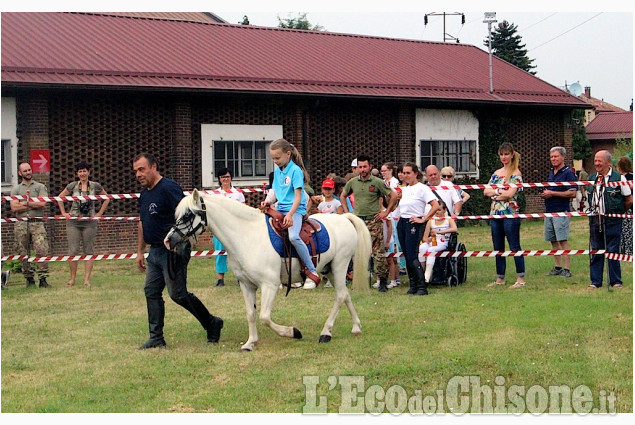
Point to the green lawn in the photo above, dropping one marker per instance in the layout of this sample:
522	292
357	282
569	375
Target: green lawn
74	350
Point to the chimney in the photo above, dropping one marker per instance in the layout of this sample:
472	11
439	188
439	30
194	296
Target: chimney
587	91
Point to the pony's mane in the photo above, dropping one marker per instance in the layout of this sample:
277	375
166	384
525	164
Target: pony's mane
238	208
186	204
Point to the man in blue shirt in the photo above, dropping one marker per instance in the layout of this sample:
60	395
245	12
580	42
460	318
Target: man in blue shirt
557	199
157	204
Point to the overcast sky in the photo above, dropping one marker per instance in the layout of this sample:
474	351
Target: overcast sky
571	41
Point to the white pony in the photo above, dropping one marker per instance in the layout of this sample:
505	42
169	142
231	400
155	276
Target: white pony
243	232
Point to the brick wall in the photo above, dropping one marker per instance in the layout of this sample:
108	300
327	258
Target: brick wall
108	130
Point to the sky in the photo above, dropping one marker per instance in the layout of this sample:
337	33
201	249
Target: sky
594	49
573	43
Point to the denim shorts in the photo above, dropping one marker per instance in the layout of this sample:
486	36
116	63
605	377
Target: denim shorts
557	229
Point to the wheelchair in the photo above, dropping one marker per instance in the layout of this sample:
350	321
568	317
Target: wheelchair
451	271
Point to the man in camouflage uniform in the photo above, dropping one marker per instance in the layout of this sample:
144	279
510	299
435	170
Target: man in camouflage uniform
367	190
30	235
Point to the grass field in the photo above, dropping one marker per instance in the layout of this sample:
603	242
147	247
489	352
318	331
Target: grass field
75	350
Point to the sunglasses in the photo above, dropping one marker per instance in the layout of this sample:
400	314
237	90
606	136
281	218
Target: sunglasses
225	177
446	176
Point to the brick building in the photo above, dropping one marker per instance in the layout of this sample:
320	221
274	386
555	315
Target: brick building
201	95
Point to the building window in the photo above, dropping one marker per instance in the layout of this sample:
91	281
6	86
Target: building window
244	149
458	154
7	165
245	158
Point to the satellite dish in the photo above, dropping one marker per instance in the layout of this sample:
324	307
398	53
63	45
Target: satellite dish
576	89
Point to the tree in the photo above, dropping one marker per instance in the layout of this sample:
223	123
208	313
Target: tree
299	23
581	144
245	20
507	45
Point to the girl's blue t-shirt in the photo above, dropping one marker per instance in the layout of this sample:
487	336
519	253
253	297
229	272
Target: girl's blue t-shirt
284	184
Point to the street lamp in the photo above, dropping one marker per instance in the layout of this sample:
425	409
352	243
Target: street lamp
489	19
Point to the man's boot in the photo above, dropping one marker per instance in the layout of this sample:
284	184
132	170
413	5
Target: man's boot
30	282
44	283
383	284
156	313
211	324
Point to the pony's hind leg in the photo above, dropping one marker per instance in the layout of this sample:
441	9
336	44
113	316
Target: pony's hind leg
249	294
357	324
267	297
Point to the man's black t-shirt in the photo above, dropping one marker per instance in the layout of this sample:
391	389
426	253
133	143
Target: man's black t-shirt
156	208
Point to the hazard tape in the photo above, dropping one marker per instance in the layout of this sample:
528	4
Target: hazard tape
538	215
545	184
460	217
531	215
254	190
211	253
114	196
58	217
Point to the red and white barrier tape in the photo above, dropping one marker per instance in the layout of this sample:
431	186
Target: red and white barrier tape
538	215
211	253
545	184
58	217
460	217
249	190
114	196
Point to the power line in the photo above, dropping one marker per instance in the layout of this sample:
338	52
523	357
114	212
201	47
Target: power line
567	31
536	23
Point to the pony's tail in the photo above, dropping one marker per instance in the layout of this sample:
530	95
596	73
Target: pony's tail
362	252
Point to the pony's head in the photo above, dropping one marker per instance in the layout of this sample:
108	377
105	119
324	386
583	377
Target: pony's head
191	221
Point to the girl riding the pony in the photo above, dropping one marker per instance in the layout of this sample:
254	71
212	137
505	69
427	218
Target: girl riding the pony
288	186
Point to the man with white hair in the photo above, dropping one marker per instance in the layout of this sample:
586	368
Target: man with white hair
451	198
606	232
557	199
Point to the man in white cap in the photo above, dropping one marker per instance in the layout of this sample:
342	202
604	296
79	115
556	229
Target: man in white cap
354	166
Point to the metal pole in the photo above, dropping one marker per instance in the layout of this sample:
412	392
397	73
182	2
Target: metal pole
444	39
491	77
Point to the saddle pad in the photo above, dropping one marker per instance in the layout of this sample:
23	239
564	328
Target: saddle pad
321	239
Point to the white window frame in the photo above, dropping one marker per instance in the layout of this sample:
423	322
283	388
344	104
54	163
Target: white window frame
236	133
442	125
446	157
9	144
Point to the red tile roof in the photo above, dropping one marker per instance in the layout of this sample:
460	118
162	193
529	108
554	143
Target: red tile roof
600	105
611	125
97	50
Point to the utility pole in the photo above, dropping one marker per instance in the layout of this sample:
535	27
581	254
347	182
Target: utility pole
446	36
490	18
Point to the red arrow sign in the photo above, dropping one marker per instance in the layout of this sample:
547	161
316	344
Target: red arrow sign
41	160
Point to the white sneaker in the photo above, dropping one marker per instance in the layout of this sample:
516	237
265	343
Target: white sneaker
309	284
328	284
392	284
376	285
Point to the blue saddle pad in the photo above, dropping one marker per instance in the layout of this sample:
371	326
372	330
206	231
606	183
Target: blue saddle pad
321	239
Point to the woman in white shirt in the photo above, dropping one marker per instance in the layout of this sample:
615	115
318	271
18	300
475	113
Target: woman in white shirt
415	196
224	176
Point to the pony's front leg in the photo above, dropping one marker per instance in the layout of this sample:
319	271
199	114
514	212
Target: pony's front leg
249	294
267	297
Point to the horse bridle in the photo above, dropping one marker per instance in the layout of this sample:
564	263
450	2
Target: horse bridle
191	230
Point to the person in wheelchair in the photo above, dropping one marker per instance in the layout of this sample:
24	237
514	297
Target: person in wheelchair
436	238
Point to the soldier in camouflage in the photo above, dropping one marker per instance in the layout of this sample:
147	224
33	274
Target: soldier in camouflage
367	190
30	235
